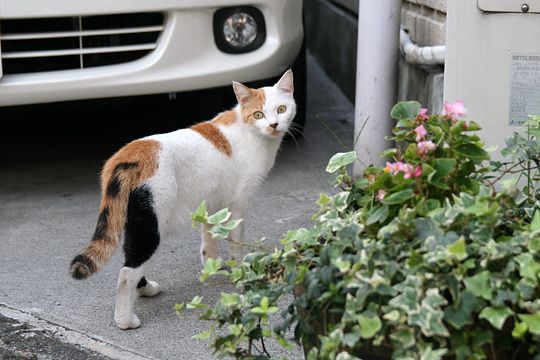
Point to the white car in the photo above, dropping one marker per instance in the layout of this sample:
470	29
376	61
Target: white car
62	50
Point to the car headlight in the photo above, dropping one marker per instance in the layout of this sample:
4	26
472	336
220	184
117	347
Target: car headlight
239	29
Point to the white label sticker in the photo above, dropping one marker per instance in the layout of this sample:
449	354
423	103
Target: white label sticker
524	88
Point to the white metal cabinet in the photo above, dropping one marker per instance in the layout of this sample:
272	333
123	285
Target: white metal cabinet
493	62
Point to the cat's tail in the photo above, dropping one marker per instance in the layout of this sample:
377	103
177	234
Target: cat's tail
126	170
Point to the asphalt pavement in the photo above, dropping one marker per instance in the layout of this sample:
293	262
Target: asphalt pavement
49	197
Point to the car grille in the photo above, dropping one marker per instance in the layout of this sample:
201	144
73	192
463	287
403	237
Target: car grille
78	42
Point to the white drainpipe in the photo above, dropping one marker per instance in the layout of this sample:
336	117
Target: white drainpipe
376	78
414	54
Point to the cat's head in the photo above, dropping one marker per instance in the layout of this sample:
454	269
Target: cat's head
269	109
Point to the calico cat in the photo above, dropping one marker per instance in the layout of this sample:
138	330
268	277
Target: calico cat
150	186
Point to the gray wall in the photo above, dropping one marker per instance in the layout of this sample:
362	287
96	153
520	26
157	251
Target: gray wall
331	35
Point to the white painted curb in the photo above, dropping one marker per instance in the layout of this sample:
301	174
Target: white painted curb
70	336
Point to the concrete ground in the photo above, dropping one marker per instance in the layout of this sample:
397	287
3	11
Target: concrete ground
48	209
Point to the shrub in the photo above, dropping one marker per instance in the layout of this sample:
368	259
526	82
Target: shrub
435	255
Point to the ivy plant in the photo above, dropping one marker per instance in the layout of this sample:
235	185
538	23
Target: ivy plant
435	255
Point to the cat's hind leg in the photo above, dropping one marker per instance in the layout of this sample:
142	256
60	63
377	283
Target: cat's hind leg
124	316
209	245
236	244
141	241
148	288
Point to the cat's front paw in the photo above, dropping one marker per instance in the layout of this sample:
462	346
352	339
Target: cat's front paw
130	323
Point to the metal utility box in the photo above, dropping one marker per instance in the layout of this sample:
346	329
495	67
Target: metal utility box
493	63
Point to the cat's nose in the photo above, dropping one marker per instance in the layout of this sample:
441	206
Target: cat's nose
274	125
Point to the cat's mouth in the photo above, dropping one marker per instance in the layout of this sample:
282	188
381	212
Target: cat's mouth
273	131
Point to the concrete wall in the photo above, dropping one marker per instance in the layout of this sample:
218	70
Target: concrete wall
331	36
331	33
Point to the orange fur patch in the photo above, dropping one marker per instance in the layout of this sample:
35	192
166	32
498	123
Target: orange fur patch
126	170
225	118
212	133
255	103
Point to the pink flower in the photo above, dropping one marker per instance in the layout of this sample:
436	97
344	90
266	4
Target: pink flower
418	172
410	171
420	133
422	115
454	110
380	195
394	168
425	147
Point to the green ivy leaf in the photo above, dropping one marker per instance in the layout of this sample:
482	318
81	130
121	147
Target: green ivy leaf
264	308
203	335
339	200
458	249
179	308
534	244
429	321
404	337
398	198
196	303
324	200
369	325
460	314
219	217
479	285
342	265
346	356
211	268
392	315
407	301
350	339
520	329
340	160
535	223
230	299
433	299
222	231
405	110
200	215
430	354
532	321
235	329
496	315
528	268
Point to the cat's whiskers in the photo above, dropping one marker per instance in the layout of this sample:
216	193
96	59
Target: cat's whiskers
294	139
298	129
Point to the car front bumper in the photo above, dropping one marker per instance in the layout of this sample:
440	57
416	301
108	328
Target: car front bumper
185	58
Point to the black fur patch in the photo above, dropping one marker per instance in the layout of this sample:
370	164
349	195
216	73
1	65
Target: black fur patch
82	266
141	232
142	283
125	166
113	187
101	227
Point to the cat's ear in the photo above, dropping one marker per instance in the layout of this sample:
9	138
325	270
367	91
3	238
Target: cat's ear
286	83
242	92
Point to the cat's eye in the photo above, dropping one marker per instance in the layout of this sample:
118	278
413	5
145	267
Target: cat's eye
281	109
258	115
